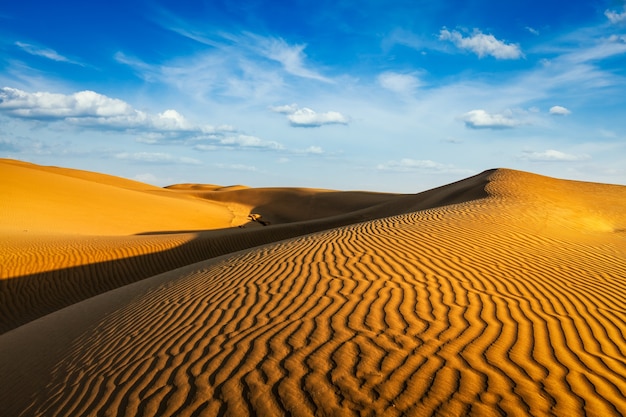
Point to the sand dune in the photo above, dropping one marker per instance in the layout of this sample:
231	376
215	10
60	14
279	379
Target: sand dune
502	294
47	200
53	264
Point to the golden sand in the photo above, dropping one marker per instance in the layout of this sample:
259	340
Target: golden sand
503	294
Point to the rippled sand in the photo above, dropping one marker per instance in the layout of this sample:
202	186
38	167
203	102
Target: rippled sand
503	294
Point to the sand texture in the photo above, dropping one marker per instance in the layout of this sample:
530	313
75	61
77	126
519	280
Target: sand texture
503	294
56	241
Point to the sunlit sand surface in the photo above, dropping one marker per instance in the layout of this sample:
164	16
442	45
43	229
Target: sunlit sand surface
502	294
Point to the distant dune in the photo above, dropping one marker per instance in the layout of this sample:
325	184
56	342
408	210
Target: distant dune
501	294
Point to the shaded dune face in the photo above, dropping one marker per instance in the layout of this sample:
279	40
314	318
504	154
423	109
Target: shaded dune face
511	304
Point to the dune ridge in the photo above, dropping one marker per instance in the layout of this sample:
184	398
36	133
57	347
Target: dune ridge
509	304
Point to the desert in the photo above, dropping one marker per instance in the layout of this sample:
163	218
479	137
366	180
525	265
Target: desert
500	294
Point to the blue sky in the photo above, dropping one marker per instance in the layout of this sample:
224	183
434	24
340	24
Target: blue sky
396	96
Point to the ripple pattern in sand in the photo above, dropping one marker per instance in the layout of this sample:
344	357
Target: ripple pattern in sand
440	312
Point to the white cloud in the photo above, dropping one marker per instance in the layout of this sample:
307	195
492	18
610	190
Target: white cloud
551	155
90	109
399	83
480	119
482	45
559	111
247	141
305	117
156	157
50	105
615	17
44	52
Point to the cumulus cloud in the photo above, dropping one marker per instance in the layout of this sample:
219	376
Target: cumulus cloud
43	105
615	17
156	157
482	45
552	155
399	83
559	111
90	109
480	119
306	117
44	52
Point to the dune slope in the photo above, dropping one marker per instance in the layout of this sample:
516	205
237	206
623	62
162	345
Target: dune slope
511	304
55	264
48	200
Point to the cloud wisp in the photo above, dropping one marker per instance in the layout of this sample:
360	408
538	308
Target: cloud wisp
45	53
532	30
291	57
482	44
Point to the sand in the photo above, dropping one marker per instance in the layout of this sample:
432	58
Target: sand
502	294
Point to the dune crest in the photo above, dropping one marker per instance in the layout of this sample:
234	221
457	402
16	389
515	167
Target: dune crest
502	302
